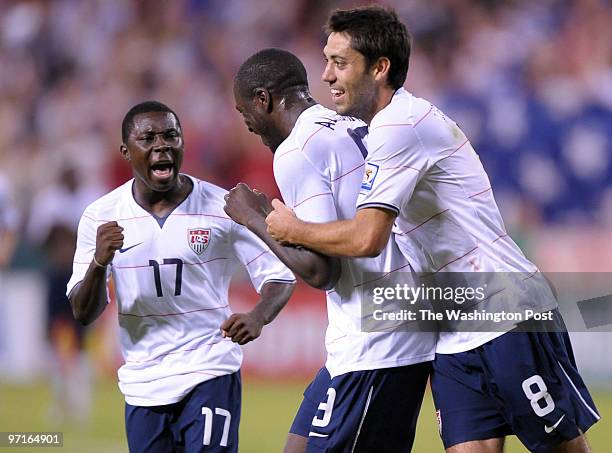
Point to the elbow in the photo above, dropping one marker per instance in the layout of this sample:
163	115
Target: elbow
371	245
326	276
81	316
320	281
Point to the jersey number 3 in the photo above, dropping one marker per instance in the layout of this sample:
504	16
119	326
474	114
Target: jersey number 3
179	275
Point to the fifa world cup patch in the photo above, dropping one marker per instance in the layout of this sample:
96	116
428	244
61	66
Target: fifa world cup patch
198	239
369	175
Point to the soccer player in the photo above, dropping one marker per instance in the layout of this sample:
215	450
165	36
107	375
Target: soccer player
424	181
171	251
368	395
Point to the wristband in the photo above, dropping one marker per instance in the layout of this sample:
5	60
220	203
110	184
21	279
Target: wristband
103	266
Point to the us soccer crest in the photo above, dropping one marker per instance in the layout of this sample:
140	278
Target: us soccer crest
198	239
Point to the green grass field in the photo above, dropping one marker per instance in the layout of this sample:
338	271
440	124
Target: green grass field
268	410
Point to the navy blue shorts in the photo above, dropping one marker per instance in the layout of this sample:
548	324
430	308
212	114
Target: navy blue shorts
206	420
362	411
522	383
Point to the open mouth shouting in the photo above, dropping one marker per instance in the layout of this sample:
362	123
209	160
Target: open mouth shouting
162	170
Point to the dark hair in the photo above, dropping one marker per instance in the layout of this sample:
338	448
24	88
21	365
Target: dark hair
144	107
277	70
375	32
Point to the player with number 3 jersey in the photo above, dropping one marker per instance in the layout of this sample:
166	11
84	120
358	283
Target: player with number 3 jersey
368	395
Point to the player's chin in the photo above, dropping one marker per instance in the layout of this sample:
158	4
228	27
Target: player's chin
163	183
342	107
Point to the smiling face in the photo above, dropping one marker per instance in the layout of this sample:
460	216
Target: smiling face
155	150
352	83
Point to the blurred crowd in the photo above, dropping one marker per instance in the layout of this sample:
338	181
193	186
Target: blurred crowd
529	82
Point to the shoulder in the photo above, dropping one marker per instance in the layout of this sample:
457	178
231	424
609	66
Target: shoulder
104	208
409	119
318	134
207	189
208	198
320	126
403	110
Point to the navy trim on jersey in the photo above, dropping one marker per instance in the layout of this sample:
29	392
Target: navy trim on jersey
279	280
161	220
390	207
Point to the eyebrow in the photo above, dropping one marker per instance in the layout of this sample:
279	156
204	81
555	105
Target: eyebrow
149	131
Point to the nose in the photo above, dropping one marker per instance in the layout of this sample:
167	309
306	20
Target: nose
160	143
328	74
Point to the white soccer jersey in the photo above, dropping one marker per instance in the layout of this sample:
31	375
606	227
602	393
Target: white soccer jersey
318	169
171	283
422	166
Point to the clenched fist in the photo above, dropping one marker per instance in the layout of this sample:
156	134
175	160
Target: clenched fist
109	239
244	205
242	327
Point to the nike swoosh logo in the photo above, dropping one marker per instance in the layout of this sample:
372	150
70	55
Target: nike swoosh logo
127	248
552	428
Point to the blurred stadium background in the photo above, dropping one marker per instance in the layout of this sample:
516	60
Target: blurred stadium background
529	81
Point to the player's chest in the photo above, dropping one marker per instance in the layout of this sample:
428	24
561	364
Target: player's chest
184	237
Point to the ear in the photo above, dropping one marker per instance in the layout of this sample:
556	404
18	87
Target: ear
125	153
381	68
264	99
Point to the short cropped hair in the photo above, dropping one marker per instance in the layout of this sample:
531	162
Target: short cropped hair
144	107
276	70
375	32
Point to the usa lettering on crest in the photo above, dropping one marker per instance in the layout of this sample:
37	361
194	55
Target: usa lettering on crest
198	239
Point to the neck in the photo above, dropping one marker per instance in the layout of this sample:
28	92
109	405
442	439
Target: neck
289	113
383	99
161	203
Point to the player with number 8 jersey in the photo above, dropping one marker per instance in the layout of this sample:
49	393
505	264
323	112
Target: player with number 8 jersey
171	251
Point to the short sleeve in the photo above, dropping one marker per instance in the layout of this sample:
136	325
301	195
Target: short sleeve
260	263
395	163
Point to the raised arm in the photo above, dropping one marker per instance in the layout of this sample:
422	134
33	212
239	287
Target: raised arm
88	298
249	208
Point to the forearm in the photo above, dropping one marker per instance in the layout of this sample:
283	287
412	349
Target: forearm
366	234
273	298
89	298
340	238
319	271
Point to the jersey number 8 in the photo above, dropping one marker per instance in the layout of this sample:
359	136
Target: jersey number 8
540	394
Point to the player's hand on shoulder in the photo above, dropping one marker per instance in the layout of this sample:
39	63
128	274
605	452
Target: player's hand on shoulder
243	204
242	327
109	239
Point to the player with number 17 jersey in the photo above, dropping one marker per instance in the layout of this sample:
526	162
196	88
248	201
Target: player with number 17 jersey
171	282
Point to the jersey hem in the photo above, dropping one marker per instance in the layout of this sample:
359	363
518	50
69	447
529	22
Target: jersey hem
146	402
381	365
471	344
